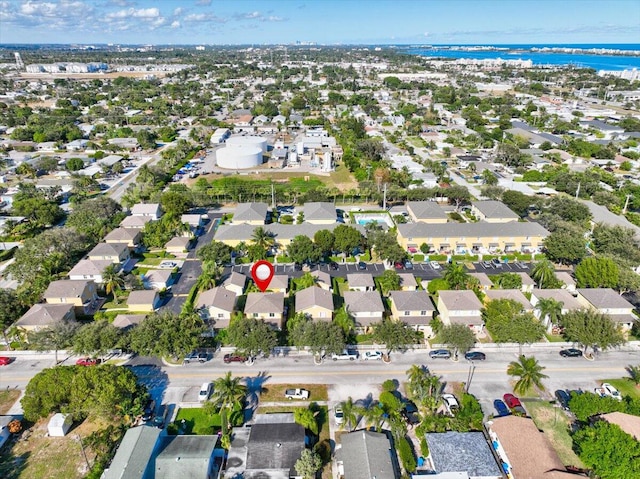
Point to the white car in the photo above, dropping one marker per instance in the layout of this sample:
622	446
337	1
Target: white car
608	390
450	402
435	264
372	355
338	414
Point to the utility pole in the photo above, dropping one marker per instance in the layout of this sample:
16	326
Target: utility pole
273	197
626	204
578	190
384	197
84	454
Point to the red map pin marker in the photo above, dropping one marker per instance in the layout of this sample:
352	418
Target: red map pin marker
262	273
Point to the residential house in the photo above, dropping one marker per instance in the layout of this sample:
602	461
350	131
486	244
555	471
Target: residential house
460	307
366	454
567	279
493	211
43	315
129	144
315	302
128	321
138	222
320	213
361	282
465	453
194	221
474	238
513	294
89	269
117	253
365	307
426	212
192	457
485	283
144	300
526	453
527	283
607	301
158	279
178	245
408	282
129	236
323	279
250	214
149	210
235	282
413	308
269	307
83	294
133	459
268	449
568	300
627	422
217	305
279	284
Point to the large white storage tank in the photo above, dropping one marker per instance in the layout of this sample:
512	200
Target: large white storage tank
247	141
239	158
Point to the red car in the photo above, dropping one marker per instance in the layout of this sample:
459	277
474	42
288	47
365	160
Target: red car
234	358
87	362
511	400
4	360
398	265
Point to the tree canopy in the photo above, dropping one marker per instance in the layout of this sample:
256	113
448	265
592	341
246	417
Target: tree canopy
166	334
252	336
591	329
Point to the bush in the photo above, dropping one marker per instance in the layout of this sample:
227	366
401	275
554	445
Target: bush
405	451
424	447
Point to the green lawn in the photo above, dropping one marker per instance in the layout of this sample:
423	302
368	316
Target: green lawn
199	422
555	424
7	399
554	338
625	386
275	392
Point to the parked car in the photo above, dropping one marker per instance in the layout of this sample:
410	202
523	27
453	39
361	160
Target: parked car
563	398
486	264
514	403
440	354
4	360
193	356
362	266
398	265
149	408
160	417
205	391
475	356
410	412
345	355
297	394
434	264
571	353
234	358
501	408
451	403
87	361
496	263
608	390
408	265
338	414
372	355
333	266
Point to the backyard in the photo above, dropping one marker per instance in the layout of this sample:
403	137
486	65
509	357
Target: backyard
7	399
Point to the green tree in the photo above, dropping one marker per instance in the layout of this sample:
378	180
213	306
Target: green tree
550	310
634	373
529	374
544	273
346	238
350	414
166	334
11	308
96	338
324	241
39	210
395	335
509	281
489	177
565	247
591	329
215	252
263	238
597	272
227	392
74	164
456	276
54	338
320	336
306	417
309	464
518	202
112	281
507	322
95	217
609	451
343	319
252	336
303	250
459	337
389	280
175	203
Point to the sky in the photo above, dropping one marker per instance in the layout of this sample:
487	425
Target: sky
222	22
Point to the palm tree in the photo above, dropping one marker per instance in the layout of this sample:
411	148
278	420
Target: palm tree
634	374
227	391
551	309
543	273
374	416
456	275
263	238
351	413
529	373
211	274
112	281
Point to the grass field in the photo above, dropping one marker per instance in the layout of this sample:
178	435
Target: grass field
7	399
625	386
197	421
555	425
275	392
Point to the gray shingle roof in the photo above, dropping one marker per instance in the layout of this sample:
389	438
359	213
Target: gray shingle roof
185	456
568	301
264	303
90	267
142	297
44	314
313	296
360	280
480	230
602	298
67	288
134	453
250	212
424	210
108	249
319	211
135	221
125	321
122	234
235	279
464	300
363	301
219	297
145	209
275	446
514	294
367	455
411	300
462	452
494	209
243	232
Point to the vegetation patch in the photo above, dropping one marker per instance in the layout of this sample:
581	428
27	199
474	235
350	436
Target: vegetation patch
8	399
275	392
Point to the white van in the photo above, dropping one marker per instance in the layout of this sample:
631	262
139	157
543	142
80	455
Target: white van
205	391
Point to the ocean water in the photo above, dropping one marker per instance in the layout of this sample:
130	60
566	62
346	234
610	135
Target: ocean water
523	52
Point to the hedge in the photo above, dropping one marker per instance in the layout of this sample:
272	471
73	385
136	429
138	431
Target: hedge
406	455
